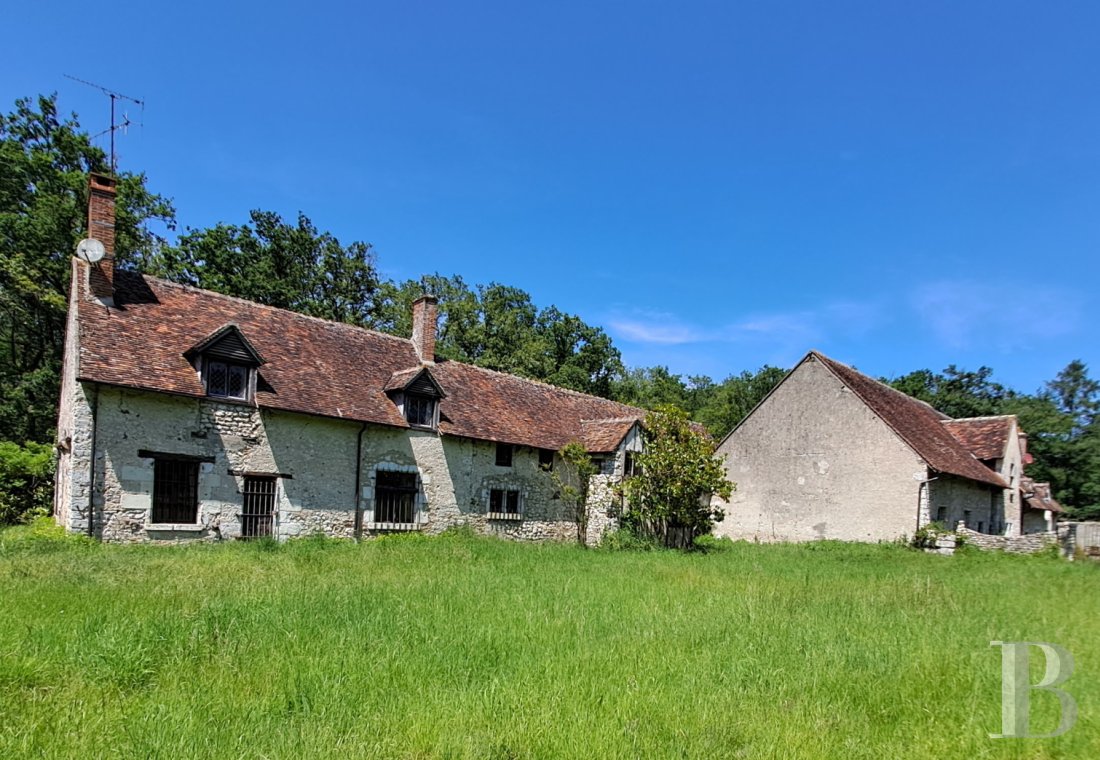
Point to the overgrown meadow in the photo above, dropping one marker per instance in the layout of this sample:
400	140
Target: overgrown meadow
460	646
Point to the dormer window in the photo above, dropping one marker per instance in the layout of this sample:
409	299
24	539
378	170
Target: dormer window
420	410
226	380
417	395
228	364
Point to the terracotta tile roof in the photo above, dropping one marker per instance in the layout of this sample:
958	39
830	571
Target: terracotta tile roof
317	367
916	423
984	437
605	435
1038	496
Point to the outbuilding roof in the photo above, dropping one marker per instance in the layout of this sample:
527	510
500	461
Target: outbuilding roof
984	437
313	366
916	423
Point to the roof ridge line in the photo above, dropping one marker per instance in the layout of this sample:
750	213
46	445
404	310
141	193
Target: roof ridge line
259	305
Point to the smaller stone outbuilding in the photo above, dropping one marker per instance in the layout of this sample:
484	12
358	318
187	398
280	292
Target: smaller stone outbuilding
832	453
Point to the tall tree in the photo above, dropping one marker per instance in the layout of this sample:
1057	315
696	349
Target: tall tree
956	392
44	163
669	499
273	262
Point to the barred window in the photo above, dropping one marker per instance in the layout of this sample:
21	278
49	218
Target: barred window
395	497
258	509
226	380
175	491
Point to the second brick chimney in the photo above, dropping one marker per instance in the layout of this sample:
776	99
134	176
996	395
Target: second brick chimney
424	327
101	226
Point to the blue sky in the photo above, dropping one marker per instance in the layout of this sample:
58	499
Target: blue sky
719	185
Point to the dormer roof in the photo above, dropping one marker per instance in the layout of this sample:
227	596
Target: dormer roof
227	342
416	380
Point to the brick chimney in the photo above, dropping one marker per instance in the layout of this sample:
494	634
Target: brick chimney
101	226
424	327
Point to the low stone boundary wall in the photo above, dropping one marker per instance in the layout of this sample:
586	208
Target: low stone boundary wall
1028	543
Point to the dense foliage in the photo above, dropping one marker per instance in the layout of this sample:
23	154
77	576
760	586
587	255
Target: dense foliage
44	165
668	498
26	481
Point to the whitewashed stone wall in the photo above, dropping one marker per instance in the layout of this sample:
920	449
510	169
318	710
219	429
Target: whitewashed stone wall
315	459
815	462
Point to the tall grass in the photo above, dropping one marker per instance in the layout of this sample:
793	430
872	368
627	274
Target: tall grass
469	647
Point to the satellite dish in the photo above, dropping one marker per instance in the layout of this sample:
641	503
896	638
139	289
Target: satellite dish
90	250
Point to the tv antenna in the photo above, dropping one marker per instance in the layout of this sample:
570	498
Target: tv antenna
114	96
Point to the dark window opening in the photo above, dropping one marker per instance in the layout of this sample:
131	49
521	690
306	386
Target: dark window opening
631	465
504	501
504	455
175	491
546	459
419	410
258	512
395	497
981	526
941	515
226	380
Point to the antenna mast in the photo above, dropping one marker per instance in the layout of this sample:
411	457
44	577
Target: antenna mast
125	119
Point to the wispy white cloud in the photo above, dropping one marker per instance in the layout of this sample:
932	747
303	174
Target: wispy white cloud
962	313
800	328
665	331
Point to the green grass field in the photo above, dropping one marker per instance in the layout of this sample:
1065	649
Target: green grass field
470	647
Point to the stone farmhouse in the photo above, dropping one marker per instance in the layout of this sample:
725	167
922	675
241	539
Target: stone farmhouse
189	415
832	453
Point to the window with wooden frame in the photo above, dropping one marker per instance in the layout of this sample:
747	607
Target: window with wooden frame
395	496
175	491
420	410
504	504
504	455
227	380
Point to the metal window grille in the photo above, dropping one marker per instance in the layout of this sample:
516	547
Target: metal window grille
258	512
504	501
504	455
419	410
395	497
175	491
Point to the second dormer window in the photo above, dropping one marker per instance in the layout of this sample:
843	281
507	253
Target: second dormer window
420	410
227	380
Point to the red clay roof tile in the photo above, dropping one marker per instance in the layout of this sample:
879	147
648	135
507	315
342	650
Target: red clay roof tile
314	366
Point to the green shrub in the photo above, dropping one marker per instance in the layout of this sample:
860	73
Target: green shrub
625	539
710	544
26	481
926	535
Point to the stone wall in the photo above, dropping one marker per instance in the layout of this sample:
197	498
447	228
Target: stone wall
313	459
1025	544
955	499
813	461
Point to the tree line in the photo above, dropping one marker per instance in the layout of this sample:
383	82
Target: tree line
45	158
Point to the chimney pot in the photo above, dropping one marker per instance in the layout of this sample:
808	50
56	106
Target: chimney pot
424	314
101	226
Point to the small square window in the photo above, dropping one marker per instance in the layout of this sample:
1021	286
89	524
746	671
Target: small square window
546	459
420	410
504	455
226	380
